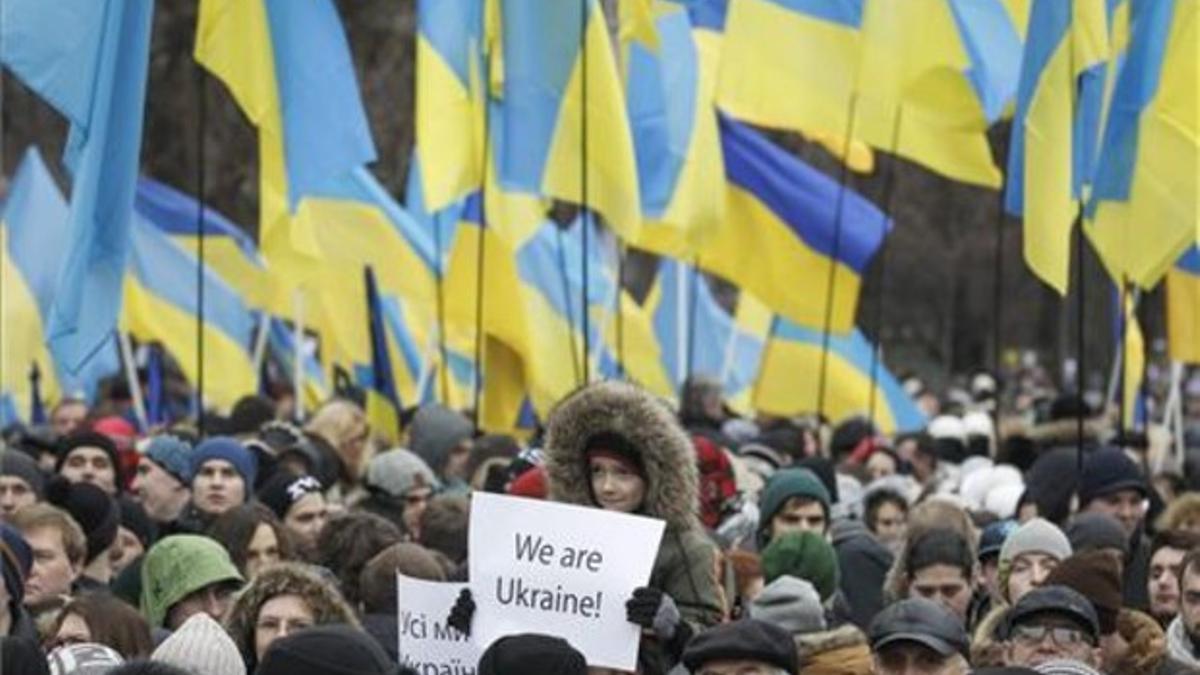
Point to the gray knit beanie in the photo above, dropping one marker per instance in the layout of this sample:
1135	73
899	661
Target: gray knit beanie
202	647
397	471
790	603
1037	535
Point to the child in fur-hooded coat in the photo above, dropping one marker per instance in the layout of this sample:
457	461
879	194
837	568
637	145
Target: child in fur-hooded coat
617	419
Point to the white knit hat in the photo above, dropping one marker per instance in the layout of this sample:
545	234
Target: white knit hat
201	646
1065	667
88	658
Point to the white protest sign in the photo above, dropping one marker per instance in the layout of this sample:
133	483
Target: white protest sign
555	569
427	644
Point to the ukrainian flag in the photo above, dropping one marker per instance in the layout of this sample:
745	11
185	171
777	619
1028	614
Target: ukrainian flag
791	376
1133	364
1183	308
1055	129
33	225
1144	211
670	98
539	123
784	232
162	305
921	78
383	401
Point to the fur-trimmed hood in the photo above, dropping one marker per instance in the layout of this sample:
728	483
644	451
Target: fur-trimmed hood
672	478
842	650
326	603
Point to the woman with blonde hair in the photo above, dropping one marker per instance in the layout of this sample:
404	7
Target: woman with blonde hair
343	424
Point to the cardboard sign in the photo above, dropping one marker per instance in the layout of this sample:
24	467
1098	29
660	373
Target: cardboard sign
427	644
555	569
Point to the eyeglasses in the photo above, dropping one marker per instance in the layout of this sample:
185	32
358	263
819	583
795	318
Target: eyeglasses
1063	636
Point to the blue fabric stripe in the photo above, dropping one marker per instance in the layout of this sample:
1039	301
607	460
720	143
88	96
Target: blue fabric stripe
846	12
174	212
450	27
410	351
325	127
803	198
1190	262
994	46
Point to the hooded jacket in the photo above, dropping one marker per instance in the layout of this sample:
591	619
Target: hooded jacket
685	567
327	605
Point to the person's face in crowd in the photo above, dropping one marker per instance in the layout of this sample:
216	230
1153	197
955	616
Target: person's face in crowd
906	448
306	518
737	667
279	616
923	466
160	493
1049	637
616	485
213	600
943	584
1189	602
218	487
989	576
263	550
72	631
799	514
910	658
14	493
125	550
890	523
415	502
880	464
1029	570
1127	506
88	464
67	418
1164	582
52	573
456	462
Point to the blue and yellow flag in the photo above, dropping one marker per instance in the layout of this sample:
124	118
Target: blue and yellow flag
383	401
1144	210
33	226
784	232
1056	129
670	91
790	379
162	305
539	126
921	78
88	59
1183	308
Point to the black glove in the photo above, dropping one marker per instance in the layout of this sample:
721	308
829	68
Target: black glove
462	612
652	609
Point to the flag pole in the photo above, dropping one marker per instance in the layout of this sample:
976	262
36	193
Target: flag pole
201	124
1081	374
481	248
135	387
889	187
566	286
298	353
831	280
260	341
583	184
439	270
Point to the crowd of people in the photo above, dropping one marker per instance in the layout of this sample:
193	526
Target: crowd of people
1037	540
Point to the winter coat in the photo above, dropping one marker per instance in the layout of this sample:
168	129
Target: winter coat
1136	575
385	628
326	604
841	651
864	564
685	567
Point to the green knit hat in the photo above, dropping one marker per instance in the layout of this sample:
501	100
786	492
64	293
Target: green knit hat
782	486
178	566
804	555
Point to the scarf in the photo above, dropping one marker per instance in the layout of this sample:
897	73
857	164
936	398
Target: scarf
1179	644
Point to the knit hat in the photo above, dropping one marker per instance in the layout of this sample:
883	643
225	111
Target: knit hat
790	603
1096	576
326	650
804	555
18	559
283	490
1106	472
1035	536
228	449
531	483
782	486
992	539
18	464
615	446
1065	667
435	431
95	510
748	639
90	439
1091	531
397	471
173	454
134	519
201	647
180	565
83	659
531	653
